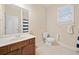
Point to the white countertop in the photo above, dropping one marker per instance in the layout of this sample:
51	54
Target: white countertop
13	39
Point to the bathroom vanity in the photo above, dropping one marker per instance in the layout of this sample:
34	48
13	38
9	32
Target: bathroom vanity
14	24
21	46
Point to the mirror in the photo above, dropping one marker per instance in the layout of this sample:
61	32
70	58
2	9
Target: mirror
14	19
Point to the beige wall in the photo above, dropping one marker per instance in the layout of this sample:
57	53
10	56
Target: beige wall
38	22
52	20
2	20
12	10
54	28
25	13
42	20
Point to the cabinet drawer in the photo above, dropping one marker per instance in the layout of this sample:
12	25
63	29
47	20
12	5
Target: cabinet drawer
4	50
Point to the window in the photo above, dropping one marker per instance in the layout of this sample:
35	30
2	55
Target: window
25	25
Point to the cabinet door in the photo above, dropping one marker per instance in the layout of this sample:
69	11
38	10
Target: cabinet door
4	50
28	50
32	49
15	52
25	50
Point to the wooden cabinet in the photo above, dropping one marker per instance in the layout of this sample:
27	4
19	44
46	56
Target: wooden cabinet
14	52
26	47
4	50
30	49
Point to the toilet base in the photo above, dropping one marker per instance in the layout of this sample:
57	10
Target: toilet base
49	43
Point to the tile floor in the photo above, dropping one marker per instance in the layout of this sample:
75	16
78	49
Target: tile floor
55	49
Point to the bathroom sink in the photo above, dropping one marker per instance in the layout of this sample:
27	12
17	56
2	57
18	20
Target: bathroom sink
15	38
18	37
6	40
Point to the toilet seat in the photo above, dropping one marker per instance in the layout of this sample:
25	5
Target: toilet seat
50	39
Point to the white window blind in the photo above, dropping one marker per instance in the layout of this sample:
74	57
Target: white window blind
25	25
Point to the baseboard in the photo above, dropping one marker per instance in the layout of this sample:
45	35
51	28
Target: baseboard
67	46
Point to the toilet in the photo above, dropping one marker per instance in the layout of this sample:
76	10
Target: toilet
47	39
